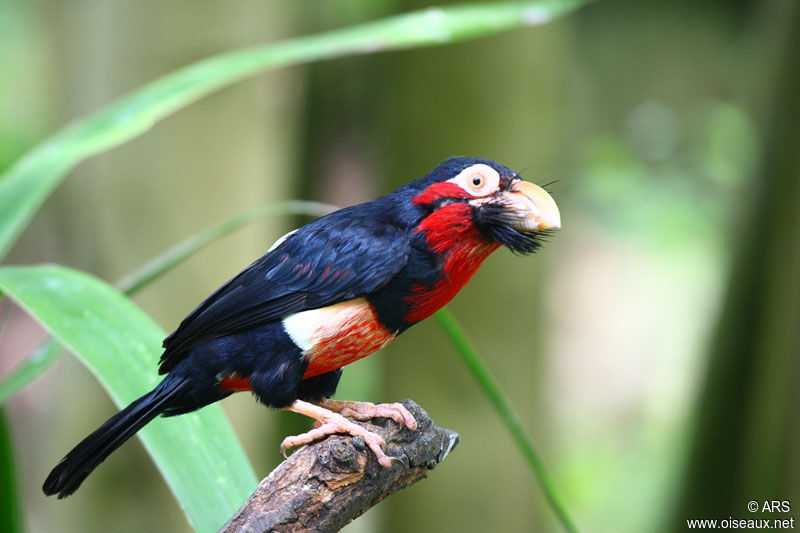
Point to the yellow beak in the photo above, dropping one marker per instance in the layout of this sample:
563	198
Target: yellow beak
536	209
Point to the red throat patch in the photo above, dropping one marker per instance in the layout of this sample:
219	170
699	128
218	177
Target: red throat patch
451	232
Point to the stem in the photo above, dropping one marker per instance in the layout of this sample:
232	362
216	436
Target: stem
490	386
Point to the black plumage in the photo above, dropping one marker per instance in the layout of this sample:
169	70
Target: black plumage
237	338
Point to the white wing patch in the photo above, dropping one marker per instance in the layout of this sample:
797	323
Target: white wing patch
309	328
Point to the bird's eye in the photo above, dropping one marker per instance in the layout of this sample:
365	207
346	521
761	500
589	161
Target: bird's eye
478	180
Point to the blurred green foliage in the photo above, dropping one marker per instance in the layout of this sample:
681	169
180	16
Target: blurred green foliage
31	179
10	508
655	373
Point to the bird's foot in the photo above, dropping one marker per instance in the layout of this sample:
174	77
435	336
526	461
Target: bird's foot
364	411
331	423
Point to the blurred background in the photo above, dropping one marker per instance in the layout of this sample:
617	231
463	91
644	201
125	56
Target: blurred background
651	348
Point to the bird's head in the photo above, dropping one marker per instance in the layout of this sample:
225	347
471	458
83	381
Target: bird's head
465	193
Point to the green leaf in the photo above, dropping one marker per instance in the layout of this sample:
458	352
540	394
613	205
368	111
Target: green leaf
24	187
198	454
488	383
10	509
46	354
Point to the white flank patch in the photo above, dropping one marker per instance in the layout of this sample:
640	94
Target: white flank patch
307	328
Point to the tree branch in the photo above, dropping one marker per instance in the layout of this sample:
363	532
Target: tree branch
328	483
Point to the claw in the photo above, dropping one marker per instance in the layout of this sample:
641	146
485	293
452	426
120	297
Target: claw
331	423
364	411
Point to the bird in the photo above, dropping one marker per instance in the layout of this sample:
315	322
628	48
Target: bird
327	294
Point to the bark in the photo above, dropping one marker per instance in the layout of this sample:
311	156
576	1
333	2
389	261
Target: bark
328	483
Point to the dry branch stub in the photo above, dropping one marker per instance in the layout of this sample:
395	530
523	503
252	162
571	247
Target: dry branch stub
328	483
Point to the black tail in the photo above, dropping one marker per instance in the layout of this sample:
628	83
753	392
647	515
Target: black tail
68	475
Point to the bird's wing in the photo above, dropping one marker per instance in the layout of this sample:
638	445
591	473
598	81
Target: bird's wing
321	264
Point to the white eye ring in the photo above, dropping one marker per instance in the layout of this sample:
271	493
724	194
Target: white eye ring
478	180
